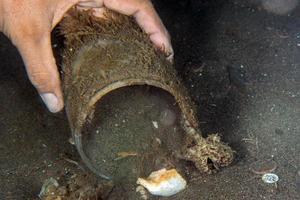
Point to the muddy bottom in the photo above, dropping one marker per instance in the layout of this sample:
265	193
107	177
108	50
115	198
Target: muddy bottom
135	130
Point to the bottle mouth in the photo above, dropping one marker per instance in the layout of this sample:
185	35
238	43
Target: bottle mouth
149	113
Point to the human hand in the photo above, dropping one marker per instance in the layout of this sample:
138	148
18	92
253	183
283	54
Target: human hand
28	23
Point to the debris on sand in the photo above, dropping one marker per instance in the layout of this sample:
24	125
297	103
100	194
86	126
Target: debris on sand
208	154
49	186
125	154
163	182
143	192
263	167
83	187
209	150
155	124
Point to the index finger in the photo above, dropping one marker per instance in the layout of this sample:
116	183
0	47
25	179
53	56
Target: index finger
145	15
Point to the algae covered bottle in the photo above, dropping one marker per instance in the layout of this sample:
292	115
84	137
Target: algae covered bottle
107	58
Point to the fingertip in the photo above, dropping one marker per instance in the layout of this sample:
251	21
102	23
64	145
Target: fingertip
52	97
162	41
170	57
52	102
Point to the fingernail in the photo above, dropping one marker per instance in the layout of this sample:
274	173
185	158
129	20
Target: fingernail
51	102
170	58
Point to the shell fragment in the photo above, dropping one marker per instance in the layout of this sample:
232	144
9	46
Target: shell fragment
163	182
270	178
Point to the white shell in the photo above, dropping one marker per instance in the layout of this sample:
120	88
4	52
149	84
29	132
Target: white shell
163	182
270	178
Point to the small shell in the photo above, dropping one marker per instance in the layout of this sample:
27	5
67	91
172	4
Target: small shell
270	178
163	182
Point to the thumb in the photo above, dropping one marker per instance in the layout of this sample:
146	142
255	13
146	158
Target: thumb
41	69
